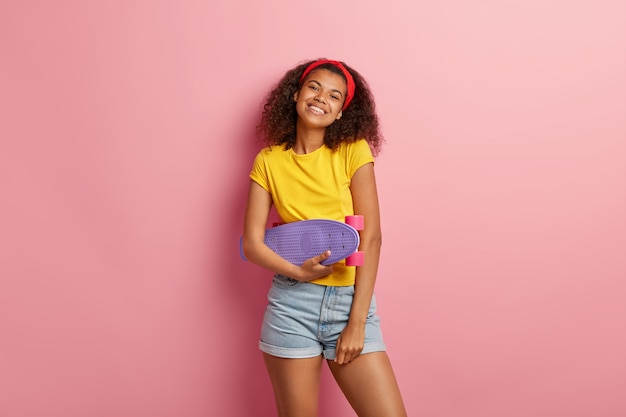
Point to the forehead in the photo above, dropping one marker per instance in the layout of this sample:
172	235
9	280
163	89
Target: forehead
327	78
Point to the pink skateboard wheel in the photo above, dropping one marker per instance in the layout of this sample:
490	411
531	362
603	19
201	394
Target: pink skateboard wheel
356	221
356	259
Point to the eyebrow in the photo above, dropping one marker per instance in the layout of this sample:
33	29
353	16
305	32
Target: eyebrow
320	84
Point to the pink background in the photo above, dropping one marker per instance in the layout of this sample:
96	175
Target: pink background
126	134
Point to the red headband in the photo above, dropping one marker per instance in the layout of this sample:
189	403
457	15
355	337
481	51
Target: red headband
349	79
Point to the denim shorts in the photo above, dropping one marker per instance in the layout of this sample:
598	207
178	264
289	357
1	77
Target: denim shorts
304	320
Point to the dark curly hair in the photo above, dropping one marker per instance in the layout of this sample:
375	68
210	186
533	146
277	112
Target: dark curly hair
358	121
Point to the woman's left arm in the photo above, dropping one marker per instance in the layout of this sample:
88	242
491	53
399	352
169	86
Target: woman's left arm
365	201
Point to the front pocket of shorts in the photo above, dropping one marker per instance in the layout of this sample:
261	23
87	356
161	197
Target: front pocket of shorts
283	281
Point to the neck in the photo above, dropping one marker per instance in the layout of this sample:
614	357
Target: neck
308	140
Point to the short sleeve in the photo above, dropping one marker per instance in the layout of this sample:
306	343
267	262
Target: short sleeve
359	154
259	171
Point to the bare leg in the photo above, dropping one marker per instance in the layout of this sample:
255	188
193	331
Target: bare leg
296	384
370	386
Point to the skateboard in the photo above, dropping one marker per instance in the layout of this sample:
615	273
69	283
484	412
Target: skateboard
302	240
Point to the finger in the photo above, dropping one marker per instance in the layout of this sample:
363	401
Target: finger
350	354
322	257
344	356
347	356
339	352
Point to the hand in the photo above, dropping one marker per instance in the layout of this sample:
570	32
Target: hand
313	269
350	343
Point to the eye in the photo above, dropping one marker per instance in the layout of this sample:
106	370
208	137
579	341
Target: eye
313	87
334	97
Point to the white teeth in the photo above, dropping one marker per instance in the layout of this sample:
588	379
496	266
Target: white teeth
316	109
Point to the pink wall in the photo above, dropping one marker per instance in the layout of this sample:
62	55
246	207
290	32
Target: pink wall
126	139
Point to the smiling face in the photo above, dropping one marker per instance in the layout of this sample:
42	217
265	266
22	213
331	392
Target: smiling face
320	100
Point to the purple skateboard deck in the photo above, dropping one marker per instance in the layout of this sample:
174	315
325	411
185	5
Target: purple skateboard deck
299	241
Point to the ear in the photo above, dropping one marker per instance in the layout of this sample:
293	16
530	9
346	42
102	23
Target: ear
295	95
339	115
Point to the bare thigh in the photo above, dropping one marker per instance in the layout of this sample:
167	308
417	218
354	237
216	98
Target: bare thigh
296	384
369	384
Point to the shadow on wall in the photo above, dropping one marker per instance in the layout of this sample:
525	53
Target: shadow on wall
246	288
243	383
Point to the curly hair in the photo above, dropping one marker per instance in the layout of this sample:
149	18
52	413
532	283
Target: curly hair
359	121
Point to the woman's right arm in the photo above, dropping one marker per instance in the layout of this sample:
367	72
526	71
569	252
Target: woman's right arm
256	251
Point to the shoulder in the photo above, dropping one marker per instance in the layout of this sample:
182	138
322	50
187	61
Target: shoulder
268	150
271	152
358	146
357	150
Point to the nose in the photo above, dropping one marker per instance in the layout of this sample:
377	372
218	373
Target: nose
319	99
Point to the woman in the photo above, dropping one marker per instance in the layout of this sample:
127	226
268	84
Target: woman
322	130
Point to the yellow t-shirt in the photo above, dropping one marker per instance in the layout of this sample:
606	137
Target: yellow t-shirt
313	186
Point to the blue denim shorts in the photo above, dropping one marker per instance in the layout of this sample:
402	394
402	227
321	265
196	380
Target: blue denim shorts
304	320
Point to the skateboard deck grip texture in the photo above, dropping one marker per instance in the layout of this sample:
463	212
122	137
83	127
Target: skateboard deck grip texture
299	241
